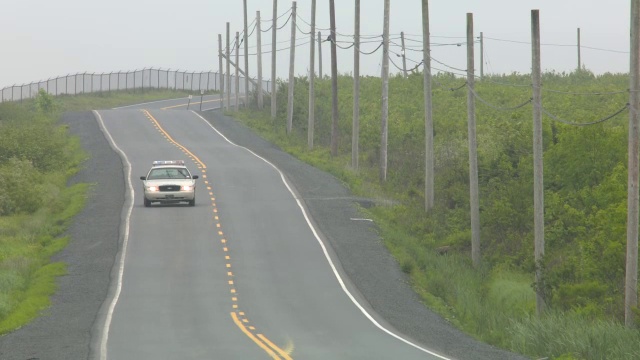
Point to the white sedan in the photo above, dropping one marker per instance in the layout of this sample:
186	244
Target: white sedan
169	182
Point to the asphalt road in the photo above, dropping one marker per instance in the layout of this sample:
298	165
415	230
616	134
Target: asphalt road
270	263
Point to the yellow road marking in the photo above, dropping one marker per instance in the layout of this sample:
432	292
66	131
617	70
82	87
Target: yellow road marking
260	339
195	158
281	352
262	345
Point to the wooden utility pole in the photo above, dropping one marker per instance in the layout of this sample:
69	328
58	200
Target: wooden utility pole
274	88
228	67
631	277
481	56
385	95
246	56
237	91
312	77
355	133
428	112
292	61
579	60
334	80
221	72
259	35
474	200
404	56
320	55
538	186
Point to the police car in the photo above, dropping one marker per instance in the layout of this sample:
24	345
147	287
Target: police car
169	182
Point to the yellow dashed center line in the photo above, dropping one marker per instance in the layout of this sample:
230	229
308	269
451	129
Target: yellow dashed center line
238	317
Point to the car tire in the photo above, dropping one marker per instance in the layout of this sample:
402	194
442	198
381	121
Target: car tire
192	202
147	203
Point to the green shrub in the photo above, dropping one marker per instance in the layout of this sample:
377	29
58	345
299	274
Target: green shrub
20	187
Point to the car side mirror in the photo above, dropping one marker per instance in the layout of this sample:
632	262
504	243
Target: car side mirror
143	178
194	177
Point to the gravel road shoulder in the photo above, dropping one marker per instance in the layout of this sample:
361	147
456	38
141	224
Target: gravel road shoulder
64	330
361	253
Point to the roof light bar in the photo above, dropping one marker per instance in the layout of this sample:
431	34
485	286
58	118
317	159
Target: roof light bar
168	162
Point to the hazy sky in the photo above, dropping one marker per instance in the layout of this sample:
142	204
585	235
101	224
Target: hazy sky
48	38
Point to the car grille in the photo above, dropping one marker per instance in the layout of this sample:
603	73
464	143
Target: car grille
169	188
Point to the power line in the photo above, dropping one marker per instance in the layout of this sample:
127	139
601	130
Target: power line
285	23
586	93
279	17
556	45
625	107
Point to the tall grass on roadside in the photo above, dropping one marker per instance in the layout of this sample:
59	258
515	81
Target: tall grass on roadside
572	336
37	158
480	301
27	278
495	303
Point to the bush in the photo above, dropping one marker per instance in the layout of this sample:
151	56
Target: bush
20	187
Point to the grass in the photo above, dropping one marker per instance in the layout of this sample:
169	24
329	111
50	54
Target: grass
570	336
494	305
28	240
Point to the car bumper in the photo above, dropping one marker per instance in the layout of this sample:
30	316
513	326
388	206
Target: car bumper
170	196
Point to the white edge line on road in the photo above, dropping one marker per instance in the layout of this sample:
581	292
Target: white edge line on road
147	103
324	249
125	241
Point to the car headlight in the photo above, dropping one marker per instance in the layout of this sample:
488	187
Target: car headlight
153	188
187	188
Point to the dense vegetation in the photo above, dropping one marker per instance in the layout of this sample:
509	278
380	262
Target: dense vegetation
585	201
37	158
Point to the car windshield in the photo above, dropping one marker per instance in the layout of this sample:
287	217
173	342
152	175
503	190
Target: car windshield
169	173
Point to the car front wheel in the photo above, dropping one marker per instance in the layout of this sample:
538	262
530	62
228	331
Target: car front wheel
147	202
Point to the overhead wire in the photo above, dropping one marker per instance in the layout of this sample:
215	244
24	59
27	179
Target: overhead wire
556	45
572	123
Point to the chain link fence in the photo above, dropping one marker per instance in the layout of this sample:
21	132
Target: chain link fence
136	80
